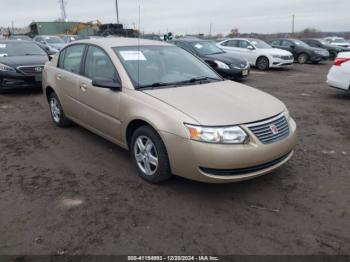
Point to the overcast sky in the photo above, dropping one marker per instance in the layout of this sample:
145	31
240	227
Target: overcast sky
189	16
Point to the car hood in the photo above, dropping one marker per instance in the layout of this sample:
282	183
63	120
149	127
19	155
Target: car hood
221	103
227	59
276	51
16	61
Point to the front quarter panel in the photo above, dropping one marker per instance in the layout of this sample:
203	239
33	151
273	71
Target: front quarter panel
137	105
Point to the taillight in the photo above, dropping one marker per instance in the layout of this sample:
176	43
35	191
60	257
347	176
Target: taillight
339	61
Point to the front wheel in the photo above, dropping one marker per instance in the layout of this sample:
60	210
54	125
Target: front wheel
332	56
263	63
303	58
149	155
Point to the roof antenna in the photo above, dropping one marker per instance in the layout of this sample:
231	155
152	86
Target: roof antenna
138	47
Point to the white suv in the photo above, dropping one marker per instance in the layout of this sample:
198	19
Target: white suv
257	52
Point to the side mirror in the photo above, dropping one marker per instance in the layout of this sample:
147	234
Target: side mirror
292	46
42	42
250	47
107	83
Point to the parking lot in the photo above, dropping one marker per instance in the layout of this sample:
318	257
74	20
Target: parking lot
68	191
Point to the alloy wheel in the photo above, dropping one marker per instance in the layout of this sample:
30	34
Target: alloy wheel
146	155
55	110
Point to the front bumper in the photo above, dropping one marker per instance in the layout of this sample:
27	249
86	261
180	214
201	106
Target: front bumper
318	58
234	73
15	80
278	62
204	162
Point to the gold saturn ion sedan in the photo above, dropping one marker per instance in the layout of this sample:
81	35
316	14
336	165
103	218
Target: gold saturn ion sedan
174	113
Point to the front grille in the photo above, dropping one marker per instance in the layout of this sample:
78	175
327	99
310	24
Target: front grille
271	130
287	57
31	70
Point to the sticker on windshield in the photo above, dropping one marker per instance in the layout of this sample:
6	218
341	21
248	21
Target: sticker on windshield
2	45
132	55
198	46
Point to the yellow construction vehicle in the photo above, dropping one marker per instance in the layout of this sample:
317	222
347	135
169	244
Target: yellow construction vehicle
81	26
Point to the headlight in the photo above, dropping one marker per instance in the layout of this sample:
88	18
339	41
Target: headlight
6	68
217	135
325	53
221	65
276	56
286	114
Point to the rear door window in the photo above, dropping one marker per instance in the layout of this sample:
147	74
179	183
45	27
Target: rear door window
72	58
232	43
275	43
287	43
244	44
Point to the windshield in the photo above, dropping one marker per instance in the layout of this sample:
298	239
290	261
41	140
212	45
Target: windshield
19	48
152	66
301	43
53	40
206	48
260	44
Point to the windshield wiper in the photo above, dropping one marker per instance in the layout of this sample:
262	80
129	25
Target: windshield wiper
31	54
156	84
190	81
217	53
199	79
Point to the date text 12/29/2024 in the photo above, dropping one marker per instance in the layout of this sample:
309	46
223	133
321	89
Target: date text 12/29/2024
173	258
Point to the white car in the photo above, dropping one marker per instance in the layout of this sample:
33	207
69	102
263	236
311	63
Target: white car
257	52
338	41
339	75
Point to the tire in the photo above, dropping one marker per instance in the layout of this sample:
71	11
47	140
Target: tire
263	63
332	56
303	58
149	155
57	113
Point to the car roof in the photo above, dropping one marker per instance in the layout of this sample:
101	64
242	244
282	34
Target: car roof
191	40
290	39
242	38
14	41
121	42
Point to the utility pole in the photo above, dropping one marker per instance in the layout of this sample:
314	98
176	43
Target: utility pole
116	5
63	9
211	25
293	24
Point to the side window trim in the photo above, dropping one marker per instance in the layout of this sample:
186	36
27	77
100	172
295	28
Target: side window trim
62	54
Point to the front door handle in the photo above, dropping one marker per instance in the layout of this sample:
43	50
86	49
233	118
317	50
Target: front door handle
59	77
83	87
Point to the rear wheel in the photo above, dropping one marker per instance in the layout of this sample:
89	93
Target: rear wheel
263	63
57	114
303	58
149	155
